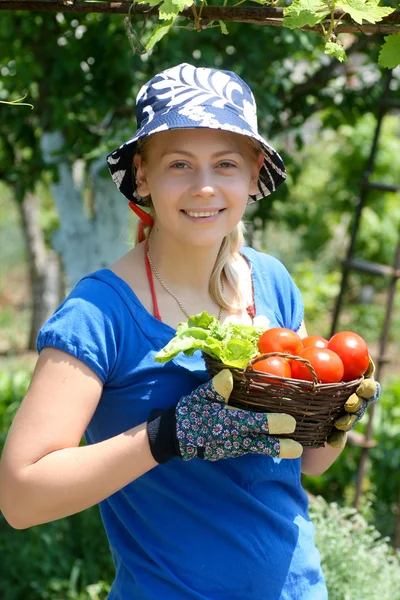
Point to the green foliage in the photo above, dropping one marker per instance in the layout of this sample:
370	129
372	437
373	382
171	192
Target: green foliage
67	559
357	561
324	192
319	290
159	33
299	14
364	10
384	474
335	49
13	388
60	63
305	12
390	51
80	74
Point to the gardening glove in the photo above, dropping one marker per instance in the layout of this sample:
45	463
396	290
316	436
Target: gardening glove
202	425
367	393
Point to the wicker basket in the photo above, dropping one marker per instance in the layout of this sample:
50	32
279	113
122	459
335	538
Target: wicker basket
314	405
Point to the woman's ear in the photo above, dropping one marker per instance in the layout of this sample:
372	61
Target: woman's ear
141	176
258	163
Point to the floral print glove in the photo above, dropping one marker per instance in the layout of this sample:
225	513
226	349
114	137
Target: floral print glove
367	393
202	425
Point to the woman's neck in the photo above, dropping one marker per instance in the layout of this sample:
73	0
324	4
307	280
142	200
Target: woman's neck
184	268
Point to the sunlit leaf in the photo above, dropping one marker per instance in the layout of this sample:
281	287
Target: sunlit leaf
334	49
158	34
224	28
364	10
305	12
389	56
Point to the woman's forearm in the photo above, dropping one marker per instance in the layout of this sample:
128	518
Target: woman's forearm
69	480
315	461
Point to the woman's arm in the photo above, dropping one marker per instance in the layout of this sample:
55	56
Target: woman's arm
44	473
315	461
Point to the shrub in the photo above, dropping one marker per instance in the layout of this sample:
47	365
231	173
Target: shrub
357	561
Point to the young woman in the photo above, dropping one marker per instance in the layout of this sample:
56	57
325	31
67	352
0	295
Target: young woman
199	501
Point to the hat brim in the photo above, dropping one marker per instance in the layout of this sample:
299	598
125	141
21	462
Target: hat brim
120	160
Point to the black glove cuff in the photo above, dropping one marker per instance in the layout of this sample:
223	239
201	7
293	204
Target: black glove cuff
161	431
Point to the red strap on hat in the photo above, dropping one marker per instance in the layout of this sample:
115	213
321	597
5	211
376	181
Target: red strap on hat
145	219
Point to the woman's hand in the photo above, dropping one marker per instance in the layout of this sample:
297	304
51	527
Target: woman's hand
367	393
202	425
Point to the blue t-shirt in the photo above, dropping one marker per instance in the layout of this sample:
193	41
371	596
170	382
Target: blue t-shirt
235	529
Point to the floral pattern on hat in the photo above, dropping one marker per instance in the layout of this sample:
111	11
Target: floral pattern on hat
188	97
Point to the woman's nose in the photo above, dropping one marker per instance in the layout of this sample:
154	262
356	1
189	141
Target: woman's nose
203	185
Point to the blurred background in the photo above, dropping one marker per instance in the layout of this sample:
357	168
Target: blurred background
61	217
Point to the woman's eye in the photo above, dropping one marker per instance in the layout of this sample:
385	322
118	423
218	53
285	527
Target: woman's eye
226	164
179	165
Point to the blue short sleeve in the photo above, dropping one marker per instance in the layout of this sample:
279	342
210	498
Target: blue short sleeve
85	325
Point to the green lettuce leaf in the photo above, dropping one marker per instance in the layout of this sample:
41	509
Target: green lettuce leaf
233	344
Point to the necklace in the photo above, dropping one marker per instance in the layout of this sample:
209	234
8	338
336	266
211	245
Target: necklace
170	292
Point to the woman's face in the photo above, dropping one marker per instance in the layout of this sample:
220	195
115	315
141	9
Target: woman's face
199	181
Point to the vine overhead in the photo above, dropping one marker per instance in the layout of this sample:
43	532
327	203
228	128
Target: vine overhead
327	18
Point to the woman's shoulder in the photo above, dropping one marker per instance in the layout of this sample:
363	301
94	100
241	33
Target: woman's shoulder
264	261
109	287
101	285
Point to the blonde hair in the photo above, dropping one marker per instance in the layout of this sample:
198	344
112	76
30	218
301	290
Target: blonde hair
228	252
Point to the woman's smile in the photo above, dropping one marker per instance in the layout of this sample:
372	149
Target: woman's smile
203	215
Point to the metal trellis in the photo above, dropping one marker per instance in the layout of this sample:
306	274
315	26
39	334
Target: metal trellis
351	263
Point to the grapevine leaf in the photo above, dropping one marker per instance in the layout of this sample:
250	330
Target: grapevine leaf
334	49
304	12
150	2
389	56
181	4
170	9
224	28
158	33
364	10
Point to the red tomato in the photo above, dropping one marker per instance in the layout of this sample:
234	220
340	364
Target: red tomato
327	365
279	339
316	341
353	351
273	365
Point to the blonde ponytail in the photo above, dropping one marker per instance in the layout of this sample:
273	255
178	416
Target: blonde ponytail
225	267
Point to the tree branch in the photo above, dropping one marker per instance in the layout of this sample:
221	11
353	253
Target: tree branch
260	15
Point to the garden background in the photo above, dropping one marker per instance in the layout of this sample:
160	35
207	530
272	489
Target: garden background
60	217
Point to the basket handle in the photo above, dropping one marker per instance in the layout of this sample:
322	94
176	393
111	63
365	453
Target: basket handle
252	361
